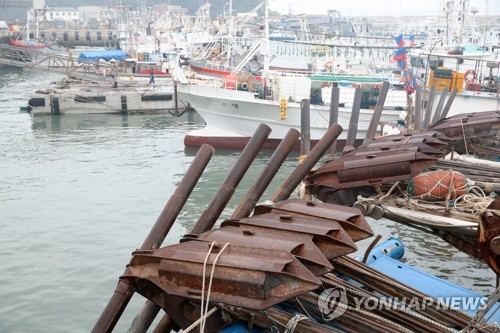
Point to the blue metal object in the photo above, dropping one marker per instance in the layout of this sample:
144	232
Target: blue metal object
239	327
449	293
392	247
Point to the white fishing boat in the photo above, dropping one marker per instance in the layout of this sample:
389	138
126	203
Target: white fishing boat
477	80
233	108
459	55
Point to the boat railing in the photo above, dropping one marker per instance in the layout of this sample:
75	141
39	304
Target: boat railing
206	81
469	75
218	66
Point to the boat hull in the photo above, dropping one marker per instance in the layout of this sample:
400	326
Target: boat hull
232	116
473	102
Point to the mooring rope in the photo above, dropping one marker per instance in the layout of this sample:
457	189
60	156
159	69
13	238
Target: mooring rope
204	307
197	322
480	319
293	322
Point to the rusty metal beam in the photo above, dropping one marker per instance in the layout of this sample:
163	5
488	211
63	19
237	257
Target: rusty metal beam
428	109
266	176
353	122
305	127
379	107
334	115
220	200
311	159
218	203
448	104
124	291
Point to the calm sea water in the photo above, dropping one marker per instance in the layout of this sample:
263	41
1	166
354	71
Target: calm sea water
79	193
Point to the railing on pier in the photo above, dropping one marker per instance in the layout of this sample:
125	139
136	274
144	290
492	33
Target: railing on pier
52	62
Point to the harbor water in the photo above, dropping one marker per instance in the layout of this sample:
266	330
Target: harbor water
79	193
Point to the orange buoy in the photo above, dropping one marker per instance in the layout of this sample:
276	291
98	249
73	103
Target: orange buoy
437	185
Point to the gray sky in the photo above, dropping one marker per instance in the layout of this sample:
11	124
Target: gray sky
377	7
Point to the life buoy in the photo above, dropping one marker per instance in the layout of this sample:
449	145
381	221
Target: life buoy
466	75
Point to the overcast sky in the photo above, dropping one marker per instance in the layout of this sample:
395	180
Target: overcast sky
376	7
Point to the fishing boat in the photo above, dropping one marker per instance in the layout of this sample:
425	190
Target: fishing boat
477	80
234	107
30	44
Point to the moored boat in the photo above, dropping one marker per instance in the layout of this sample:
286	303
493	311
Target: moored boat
233	108
30	44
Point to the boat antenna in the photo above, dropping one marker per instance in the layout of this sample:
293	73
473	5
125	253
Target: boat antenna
265	49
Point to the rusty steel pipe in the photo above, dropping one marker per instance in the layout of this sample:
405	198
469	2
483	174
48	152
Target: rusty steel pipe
350	320
418	108
217	205
334	115
428	108
311	159
305	127
379	107
447	106
178	199
353	122
219	202
145	317
345	265
266	176
394	314
439	107
166	324
123	292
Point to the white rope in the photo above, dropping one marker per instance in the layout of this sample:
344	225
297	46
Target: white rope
196	323
203	279
293	322
480	319
204	307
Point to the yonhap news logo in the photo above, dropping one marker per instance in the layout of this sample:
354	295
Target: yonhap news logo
332	303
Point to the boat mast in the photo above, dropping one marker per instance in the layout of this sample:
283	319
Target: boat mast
265	49
229	32
28	25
